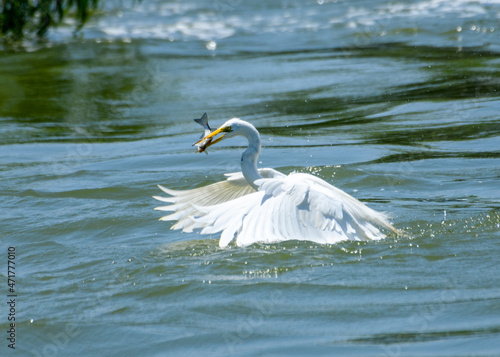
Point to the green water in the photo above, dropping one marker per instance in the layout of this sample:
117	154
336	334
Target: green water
406	121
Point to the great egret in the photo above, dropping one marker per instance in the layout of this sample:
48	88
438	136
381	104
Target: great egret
264	205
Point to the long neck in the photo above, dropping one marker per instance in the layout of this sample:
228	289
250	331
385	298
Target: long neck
250	156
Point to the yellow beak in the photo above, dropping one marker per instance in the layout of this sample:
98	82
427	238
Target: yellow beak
208	138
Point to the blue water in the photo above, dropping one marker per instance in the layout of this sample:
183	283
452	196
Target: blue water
394	102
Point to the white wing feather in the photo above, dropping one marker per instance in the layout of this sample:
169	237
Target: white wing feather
184	203
294	207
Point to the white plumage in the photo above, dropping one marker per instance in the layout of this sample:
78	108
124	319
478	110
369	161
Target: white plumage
264	205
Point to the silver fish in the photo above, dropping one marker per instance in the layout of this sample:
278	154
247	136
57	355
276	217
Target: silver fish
202	145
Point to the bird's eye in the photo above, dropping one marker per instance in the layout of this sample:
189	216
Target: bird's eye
226	129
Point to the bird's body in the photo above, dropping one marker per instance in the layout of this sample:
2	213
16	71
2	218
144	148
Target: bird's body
264	205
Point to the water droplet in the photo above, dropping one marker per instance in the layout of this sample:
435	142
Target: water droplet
211	45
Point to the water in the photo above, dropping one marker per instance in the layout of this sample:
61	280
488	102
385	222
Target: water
394	102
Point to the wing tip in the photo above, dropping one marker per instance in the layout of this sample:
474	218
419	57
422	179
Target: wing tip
169	191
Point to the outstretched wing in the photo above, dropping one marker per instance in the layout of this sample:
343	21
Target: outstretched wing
185	203
294	207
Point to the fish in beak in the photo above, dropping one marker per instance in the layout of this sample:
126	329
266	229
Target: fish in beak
203	144
208	140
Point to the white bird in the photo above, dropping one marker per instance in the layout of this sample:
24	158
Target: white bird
266	206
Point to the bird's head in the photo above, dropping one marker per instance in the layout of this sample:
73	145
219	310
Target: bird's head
230	128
